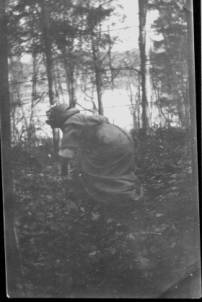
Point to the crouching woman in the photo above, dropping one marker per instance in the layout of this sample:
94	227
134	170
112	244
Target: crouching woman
103	156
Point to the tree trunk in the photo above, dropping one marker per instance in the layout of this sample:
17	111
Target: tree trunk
142	49
69	72
110	59
192	93
48	56
13	105
98	82
12	257
31	128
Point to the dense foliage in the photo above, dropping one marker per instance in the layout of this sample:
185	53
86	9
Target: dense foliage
169	58
91	251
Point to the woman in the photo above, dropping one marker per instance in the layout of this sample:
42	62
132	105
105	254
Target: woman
103	153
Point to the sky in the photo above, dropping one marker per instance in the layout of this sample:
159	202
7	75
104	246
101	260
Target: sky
129	36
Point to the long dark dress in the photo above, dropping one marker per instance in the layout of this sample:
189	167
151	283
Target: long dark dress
105	157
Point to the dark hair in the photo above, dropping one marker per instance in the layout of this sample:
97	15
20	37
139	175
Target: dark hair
56	115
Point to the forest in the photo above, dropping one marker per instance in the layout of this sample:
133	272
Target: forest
67	51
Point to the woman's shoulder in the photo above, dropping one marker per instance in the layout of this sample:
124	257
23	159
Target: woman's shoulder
86	120
77	118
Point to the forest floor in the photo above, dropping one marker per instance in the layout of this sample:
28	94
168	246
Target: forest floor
90	252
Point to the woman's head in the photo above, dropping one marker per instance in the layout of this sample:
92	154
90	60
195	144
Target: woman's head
57	114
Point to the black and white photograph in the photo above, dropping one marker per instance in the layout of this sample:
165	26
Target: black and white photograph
99	149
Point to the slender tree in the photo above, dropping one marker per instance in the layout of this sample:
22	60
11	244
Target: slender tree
142	49
49	61
13	269
192	93
99	44
98	83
